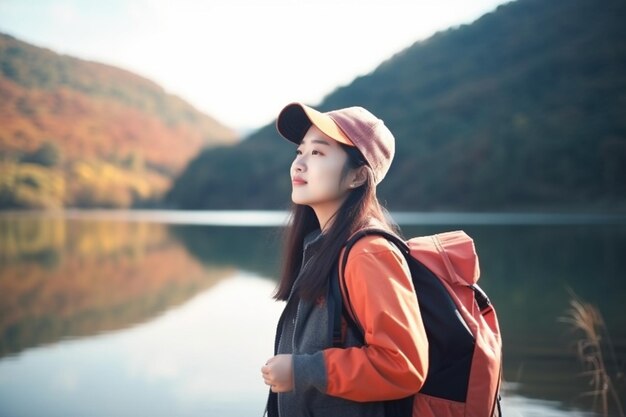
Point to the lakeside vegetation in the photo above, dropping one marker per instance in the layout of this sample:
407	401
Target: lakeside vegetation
596	353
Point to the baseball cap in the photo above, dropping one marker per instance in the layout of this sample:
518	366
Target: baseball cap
352	126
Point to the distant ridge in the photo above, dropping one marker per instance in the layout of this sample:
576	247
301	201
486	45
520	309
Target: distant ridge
63	117
521	110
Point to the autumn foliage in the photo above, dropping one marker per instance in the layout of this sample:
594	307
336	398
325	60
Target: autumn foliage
124	129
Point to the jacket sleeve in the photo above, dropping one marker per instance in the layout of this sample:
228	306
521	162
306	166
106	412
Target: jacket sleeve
394	360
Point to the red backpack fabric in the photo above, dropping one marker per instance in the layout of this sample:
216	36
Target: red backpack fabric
465	346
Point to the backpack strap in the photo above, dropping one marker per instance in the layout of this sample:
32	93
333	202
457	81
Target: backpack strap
484	303
337	284
392	408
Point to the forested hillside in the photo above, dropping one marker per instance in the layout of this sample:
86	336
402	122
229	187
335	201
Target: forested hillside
524	109
80	133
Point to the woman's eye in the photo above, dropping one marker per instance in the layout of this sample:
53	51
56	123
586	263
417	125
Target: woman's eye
316	152
298	152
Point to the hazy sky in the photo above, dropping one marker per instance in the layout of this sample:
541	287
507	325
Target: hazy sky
238	60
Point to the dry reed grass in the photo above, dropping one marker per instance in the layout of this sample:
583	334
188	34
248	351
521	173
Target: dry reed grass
592	346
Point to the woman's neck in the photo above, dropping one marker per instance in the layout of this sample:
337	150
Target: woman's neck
326	215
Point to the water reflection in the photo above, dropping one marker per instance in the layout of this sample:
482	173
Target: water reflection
162	321
200	359
63	279
254	249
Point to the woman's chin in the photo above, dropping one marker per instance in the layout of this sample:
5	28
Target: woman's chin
296	198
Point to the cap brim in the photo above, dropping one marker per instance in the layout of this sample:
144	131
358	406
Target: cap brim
296	118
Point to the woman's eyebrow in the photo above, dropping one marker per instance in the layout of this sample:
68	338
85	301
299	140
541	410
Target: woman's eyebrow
318	141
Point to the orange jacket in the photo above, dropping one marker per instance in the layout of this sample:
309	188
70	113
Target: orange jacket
393	363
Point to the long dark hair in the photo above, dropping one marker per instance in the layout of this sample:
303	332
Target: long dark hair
358	210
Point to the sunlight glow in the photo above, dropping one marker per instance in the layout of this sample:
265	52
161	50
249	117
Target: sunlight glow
239	61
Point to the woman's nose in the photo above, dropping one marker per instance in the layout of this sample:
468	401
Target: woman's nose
298	165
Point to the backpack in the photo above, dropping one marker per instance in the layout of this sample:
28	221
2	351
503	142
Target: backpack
465	347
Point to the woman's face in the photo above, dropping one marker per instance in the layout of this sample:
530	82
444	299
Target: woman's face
317	173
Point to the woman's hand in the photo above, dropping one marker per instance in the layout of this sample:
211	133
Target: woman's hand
278	373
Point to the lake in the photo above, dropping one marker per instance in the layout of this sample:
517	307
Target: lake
155	313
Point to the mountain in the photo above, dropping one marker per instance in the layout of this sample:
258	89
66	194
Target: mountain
524	109
81	133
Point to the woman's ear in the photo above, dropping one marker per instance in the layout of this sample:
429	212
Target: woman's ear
359	177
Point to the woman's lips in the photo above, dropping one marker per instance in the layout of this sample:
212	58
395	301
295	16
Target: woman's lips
298	181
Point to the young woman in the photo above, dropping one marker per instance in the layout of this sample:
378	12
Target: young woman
340	158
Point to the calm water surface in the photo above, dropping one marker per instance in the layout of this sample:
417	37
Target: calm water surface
170	313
